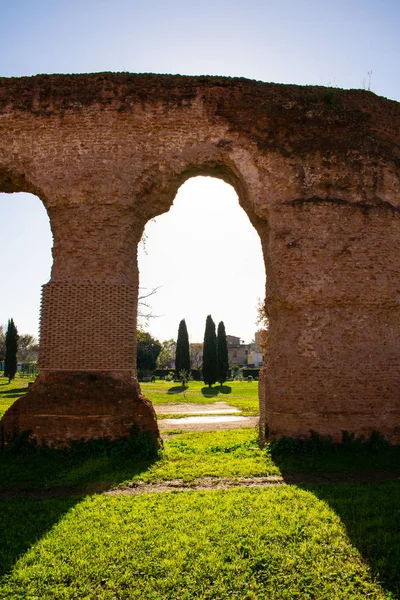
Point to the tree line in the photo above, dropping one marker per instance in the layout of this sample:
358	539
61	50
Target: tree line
214	361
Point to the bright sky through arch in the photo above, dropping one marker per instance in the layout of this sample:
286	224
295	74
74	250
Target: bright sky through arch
26	252
207	257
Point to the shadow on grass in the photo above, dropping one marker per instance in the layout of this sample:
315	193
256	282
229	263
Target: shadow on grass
14	392
38	487
371	515
210	392
24	522
368	507
38	484
177	389
225	389
54	474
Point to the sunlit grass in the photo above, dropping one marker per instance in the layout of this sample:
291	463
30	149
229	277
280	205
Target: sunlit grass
185	456
248	544
9	392
322	541
231	453
240	394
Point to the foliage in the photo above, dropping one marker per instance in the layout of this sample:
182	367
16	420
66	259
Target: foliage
184	376
167	354
196	355
235	370
252	372
222	352
210	359
330	97
148	349
262	322
182	356
10	361
28	348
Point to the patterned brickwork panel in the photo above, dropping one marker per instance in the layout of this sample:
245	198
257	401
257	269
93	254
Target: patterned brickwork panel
88	326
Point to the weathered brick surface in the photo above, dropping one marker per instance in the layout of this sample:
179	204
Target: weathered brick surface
316	170
72	406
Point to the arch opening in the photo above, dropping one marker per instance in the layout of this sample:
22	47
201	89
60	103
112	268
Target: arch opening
27	243
205	257
27	262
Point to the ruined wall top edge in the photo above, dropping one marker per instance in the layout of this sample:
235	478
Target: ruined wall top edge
270	114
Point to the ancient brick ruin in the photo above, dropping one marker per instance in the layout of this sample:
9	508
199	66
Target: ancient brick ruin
317	172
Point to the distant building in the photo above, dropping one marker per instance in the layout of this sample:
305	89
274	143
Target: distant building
237	352
244	355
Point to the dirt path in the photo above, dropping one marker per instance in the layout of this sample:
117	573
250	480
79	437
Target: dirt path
207	483
206	423
195	409
225	483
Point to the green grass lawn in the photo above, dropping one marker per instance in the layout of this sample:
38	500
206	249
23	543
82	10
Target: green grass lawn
308	542
321	543
186	456
240	394
9	392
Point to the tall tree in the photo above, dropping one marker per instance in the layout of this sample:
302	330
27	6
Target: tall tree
222	352
210	360
182	355
148	349
10	361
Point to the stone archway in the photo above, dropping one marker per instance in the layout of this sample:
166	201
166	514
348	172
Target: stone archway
319	180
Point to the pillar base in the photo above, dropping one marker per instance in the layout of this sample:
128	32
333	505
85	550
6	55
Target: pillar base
64	406
332	425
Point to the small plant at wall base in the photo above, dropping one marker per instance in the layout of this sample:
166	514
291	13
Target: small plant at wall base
10	361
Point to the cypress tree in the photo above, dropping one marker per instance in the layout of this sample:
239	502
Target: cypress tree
222	351
10	361
210	359
182	353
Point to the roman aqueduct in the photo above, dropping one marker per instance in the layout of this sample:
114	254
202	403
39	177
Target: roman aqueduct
317	172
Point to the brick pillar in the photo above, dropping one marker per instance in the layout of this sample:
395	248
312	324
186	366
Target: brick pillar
333	303
87	386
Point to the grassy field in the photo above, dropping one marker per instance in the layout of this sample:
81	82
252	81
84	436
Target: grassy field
322	542
240	394
307	541
9	392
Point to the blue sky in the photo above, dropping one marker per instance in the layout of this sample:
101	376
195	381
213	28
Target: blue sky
304	42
